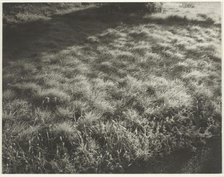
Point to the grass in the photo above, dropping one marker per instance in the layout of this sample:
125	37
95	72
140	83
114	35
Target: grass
88	92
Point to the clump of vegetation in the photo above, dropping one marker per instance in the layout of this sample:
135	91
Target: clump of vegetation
125	95
149	7
187	5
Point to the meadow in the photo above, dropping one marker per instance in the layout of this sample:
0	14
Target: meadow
86	90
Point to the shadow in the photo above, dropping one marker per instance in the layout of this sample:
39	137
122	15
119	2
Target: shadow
32	39
184	161
168	164
213	164
61	31
183	21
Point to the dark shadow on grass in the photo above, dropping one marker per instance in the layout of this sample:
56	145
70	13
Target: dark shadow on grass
182	21
169	164
184	161
30	40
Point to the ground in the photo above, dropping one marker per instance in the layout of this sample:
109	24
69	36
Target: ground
88	91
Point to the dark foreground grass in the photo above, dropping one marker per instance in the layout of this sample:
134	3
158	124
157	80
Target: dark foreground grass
88	92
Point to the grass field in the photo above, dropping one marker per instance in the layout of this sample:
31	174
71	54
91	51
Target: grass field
86	91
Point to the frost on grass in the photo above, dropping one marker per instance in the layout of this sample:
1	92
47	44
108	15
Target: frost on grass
106	97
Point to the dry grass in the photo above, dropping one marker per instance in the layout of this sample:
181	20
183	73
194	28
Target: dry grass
90	93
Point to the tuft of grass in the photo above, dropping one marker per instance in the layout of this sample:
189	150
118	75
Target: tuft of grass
55	96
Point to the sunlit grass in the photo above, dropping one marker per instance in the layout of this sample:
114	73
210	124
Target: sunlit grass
114	99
